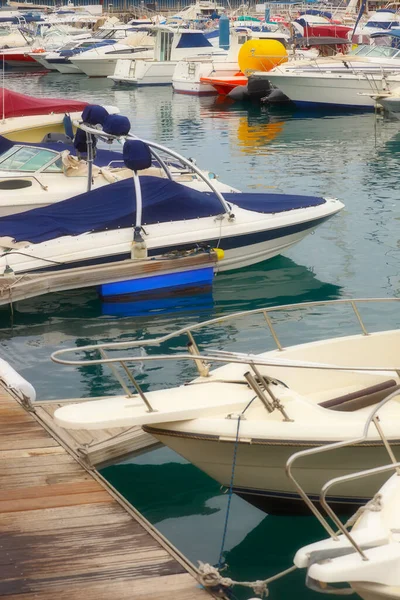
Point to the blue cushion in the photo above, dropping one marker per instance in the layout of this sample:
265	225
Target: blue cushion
117	125
137	155
94	114
80	141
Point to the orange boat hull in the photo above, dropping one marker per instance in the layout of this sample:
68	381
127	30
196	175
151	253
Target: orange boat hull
224	85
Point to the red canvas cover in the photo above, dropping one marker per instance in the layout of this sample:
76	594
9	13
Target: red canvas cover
327	31
20	105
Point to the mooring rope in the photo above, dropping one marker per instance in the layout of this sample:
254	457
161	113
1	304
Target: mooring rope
211	577
230	494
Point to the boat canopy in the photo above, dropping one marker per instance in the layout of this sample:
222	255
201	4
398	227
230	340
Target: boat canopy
114	206
20	105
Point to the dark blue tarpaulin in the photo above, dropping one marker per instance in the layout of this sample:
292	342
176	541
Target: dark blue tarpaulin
113	206
272	203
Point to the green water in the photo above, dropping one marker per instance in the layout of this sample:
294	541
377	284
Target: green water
354	254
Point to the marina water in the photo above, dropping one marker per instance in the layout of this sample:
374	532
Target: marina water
354	157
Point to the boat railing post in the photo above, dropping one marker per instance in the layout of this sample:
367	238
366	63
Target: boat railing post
202	367
117	376
138	388
272	330
384	439
356	312
89	142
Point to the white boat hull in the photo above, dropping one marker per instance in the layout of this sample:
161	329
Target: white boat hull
248	239
260	476
67	68
327	89
142	72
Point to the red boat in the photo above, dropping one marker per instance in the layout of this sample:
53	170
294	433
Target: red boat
19	57
224	85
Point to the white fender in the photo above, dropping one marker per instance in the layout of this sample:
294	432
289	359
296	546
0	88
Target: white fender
16	383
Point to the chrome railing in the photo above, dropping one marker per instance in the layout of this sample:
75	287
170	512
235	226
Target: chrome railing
203	360
394	465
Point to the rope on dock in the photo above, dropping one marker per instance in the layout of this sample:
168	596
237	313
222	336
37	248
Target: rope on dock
210	577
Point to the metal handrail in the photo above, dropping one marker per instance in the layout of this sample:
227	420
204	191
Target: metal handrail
203	360
372	418
218	320
153	148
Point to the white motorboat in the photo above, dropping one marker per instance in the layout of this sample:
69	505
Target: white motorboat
342	80
170	47
101	61
367	557
249	227
106	38
261	408
344	89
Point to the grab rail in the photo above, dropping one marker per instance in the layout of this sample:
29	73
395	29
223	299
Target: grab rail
372	418
203	360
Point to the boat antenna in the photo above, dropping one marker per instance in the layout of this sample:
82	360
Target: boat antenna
3	93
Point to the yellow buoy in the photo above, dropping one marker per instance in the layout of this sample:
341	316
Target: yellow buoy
261	55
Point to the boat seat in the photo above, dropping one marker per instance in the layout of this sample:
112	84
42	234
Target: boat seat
362	398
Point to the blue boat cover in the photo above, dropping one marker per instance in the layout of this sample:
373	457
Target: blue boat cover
113	206
272	203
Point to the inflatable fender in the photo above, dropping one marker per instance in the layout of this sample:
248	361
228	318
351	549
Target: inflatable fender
13	381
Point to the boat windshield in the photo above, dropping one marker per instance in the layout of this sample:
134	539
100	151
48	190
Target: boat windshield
375	51
30	159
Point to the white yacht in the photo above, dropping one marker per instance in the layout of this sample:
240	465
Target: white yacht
171	46
262	408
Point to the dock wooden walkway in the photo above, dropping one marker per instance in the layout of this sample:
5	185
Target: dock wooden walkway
66	534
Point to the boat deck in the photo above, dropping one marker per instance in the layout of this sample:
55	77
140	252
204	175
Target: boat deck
66	533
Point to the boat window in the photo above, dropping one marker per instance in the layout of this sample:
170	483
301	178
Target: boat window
26	158
382	51
360	51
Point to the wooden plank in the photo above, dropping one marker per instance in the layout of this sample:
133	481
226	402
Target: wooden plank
14	289
63	534
178	587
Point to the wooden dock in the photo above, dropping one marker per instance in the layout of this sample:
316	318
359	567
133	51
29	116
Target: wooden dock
14	288
98	447
65	533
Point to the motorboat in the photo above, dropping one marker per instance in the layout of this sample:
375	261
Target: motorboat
324	88
101	61
363	553
172	209
380	21
106	38
260	408
170	47
29	119
60	60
